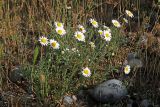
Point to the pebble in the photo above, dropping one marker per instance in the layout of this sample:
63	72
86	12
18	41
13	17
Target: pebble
131	56
133	60
16	76
146	103
135	63
67	100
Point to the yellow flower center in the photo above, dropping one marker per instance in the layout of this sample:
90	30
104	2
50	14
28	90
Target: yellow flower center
107	35
129	13
54	44
100	33
79	36
44	40
86	71
60	32
94	22
59	24
81	29
126	69
116	24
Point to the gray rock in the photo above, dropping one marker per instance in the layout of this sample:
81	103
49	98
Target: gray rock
110	91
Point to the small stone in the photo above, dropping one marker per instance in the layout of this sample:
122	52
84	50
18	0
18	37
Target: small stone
67	100
74	97
132	103
26	99
129	105
146	103
110	91
135	63
3	101
131	56
133	60
81	94
16	76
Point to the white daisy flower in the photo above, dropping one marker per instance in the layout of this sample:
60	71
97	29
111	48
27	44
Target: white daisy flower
107	35
129	13
43	40
100	32
59	25
60	31
80	36
92	45
86	72
127	69
81	28
94	23
54	44
116	23
125	20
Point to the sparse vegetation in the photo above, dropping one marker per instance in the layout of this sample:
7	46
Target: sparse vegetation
63	46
